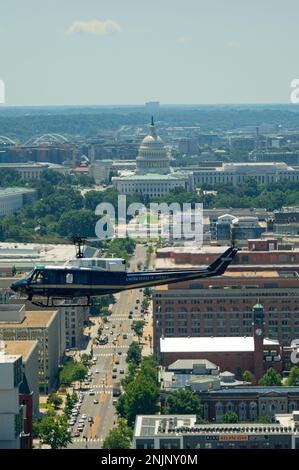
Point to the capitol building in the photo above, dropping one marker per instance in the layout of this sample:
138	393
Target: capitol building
153	176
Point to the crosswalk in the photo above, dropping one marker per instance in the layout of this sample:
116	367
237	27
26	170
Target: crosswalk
107	389
82	439
108	346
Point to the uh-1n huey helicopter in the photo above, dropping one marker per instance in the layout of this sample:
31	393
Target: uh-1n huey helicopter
92	277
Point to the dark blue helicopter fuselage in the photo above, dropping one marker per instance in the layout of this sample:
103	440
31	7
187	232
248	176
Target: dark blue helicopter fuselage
68	282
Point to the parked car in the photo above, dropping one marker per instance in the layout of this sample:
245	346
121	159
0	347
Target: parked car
76	433
95	401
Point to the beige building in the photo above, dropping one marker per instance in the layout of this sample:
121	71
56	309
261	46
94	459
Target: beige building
11	412
32	171
236	173
73	318
43	326
29	352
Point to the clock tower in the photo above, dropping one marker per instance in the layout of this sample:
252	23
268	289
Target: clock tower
258	336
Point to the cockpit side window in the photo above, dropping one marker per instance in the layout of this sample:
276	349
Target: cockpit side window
38	277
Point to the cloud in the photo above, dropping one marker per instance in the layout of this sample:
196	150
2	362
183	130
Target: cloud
97	27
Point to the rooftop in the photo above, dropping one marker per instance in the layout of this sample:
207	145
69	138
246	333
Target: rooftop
189	363
211	344
258	390
22	348
152	425
148	176
33	319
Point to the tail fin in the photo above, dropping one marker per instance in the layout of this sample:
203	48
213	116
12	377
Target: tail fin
220	265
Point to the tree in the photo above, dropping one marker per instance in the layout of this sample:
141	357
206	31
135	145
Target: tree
248	376
55	400
293	378
270	378
74	222
105	312
134	353
142	393
86	360
80	372
230	417
183	402
119	437
147	291
69	405
53	430
13	271
138	326
72	371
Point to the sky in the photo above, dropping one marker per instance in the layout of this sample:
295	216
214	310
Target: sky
127	52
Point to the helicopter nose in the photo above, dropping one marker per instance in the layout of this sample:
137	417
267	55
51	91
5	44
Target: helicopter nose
19	285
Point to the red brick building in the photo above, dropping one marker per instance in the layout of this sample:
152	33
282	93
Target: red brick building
222	306
235	354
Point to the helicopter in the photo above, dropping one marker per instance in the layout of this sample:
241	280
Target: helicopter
92	277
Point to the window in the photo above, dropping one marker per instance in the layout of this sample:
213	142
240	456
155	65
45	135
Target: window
69	278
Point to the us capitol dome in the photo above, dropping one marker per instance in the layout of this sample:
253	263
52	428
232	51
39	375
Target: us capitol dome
153	176
152	156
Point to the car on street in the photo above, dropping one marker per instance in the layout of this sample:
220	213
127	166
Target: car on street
114	376
114	401
115	369
72	422
83	417
136	307
97	371
80	429
95	401
76	433
121	371
117	361
81	421
111	332
90	419
113	326
125	336
91	392
119	353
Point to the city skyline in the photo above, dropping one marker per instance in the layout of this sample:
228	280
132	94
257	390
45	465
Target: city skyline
121	53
